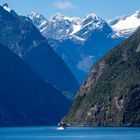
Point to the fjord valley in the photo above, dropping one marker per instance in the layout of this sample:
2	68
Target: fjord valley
110	96
78	71
77	41
81	42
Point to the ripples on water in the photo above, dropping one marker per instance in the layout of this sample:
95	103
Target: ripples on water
50	133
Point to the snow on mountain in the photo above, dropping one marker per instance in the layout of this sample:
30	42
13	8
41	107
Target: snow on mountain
9	9
39	20
6	7
57	27
82	41
116	20
126	25
76	28
77	40
62	27
90	23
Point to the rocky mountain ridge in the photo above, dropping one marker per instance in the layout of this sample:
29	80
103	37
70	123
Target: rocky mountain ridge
78	40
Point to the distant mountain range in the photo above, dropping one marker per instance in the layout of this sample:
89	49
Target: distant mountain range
25	40
126	25
61	27
79	42
110	96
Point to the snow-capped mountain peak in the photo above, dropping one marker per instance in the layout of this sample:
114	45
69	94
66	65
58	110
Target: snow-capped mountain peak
126	25
130	22
35	15
116	20
60	26
137	14
9	9
6	7
91	19
92	16
38	20
90	23
57	16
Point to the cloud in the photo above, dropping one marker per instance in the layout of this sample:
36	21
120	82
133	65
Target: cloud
64	5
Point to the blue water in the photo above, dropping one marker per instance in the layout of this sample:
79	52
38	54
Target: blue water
50	133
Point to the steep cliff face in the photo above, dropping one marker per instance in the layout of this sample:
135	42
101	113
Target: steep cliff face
25	99
22	38
110	96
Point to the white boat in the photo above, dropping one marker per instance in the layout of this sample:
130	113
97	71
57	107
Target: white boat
61	128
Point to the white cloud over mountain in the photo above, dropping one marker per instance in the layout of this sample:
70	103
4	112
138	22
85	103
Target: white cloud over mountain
64	5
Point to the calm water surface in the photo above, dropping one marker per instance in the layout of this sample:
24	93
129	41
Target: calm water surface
50	133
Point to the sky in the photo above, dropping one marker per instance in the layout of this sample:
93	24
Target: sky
106	9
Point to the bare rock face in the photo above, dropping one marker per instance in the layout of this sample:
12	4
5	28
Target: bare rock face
138	48
92	79
110	96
